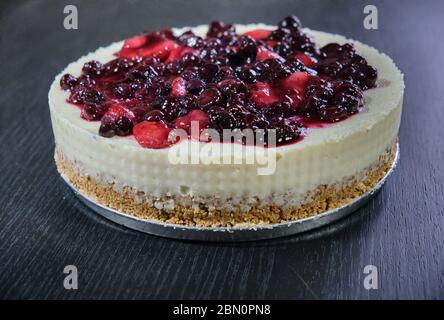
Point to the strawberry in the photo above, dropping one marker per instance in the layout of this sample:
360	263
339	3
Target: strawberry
160	49
178	52
150	134
117	110
178	87
264	54
198	116
263	94
297	81
135	42
271	43
305	59
258	34
294	86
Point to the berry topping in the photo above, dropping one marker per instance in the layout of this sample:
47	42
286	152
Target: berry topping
342	62
262	79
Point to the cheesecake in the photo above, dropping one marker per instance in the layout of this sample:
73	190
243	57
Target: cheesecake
227	125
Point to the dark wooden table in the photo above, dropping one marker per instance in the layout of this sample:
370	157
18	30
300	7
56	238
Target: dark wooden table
43	227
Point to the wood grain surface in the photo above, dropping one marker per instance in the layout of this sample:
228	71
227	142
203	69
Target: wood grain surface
43	227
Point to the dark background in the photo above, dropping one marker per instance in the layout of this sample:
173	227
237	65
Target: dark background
43	227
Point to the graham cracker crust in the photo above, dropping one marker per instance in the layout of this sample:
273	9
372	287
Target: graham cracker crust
324	198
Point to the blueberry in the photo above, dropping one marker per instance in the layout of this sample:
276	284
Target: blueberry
189	60
218	29
209	97
286	132
248	74
222	120
93	111
174	67
170	109
291	23
93	68
107	127
187	101
188	74
123	91
92	96
189	39
231	86
124	125
161	86
208	71
155	115
277	70
195	86
143	72
86	81
68	82
225	72
247	49
294	65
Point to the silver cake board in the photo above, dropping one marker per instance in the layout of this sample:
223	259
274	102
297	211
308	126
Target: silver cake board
230	234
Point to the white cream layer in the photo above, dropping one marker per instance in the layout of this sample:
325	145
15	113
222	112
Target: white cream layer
325	156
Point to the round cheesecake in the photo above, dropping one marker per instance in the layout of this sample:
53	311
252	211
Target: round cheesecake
329	167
